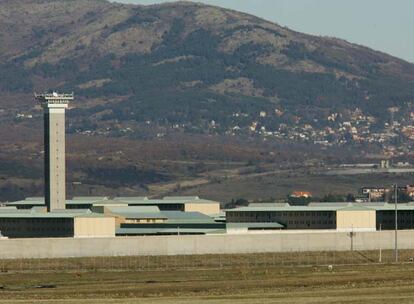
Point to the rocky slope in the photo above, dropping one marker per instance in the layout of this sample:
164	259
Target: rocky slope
188	63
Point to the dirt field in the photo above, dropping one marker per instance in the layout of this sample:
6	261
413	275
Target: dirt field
261	282
279	185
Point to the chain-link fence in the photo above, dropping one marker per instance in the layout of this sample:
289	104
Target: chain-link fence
188	262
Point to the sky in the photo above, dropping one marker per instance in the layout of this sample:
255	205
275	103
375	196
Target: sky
384	25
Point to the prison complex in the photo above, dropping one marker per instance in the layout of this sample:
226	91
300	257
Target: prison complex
56	216
128	216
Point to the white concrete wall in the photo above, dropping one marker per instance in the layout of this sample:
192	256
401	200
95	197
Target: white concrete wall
203	244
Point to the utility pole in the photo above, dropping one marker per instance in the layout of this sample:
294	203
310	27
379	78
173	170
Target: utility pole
396	223
351	235
380	245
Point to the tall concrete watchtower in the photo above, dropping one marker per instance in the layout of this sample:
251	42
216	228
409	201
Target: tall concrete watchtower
54	106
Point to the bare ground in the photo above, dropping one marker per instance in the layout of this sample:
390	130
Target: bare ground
265	283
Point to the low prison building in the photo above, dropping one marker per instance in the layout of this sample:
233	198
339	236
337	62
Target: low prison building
31	224
331	216
175	203
130	216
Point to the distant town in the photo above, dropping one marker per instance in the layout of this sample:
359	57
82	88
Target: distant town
394	136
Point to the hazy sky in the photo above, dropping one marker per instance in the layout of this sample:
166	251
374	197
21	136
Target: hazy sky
385	25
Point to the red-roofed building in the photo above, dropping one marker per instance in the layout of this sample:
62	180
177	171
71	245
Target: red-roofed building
304	194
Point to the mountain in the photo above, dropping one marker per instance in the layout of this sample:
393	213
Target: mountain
160	71
188	63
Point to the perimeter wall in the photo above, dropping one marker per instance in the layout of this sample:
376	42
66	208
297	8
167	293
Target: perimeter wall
203	244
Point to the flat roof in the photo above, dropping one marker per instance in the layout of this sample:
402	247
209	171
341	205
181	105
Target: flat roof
35	198
102	200
89	198
50	215
354	207
321	207
267	204
285	208
8	209
181	198
255	225
331	204
139	198
41	213
26	202
134	209
96	202
142	212
134	231
153	212
187	217
168	201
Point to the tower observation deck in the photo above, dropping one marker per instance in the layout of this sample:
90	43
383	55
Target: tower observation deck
54	106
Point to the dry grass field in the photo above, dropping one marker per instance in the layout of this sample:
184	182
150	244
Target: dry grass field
250	279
